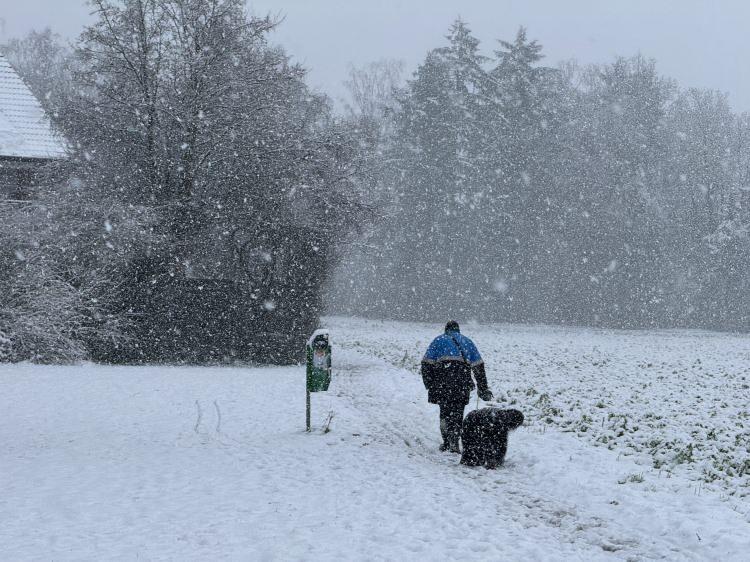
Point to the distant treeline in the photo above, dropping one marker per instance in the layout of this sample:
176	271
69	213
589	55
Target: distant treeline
512	191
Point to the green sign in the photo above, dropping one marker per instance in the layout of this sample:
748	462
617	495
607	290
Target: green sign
318	361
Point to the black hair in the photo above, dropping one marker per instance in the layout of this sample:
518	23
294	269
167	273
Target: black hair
452	326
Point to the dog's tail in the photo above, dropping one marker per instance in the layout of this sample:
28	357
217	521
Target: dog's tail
512	418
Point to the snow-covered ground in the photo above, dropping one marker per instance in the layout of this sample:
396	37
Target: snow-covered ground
154	463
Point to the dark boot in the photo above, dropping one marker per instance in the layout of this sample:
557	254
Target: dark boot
455	421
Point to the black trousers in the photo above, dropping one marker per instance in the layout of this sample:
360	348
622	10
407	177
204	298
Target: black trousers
451	419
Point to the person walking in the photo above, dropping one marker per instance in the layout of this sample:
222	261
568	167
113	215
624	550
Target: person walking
447	369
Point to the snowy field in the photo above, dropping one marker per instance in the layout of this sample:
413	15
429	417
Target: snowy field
678	401
636	448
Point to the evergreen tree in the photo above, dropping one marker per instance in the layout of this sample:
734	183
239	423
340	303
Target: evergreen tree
439	189
523	153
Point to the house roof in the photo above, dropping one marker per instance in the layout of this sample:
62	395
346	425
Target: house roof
25	130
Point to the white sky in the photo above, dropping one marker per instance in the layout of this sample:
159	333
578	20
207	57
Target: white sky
698	42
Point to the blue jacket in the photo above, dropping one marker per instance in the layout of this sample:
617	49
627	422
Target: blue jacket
446	371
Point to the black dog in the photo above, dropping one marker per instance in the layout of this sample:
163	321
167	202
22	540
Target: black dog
485	436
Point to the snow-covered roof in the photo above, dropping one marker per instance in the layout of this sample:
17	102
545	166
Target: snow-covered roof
25	130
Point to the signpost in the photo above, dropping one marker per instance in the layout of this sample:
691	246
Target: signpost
318	367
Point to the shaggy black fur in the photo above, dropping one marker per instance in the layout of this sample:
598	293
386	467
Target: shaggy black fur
485	436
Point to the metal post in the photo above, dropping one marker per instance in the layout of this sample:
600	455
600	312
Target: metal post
307	410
